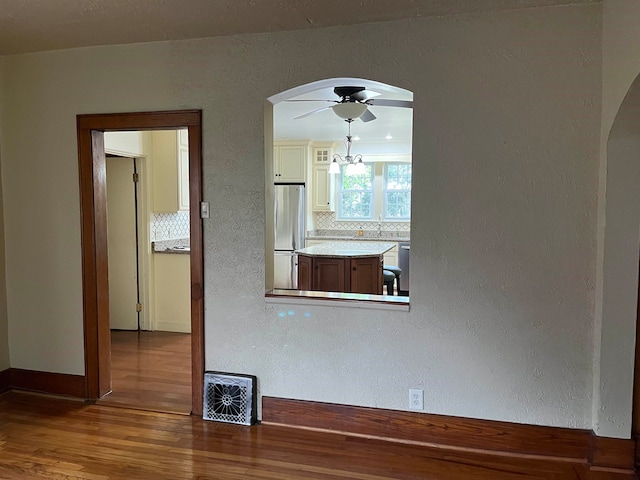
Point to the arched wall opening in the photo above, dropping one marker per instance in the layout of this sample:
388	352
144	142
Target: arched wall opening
302	117
615	328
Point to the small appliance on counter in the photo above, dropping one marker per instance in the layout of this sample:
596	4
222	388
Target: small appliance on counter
289	229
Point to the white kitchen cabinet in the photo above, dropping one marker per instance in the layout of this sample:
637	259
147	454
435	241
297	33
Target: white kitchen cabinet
322	154
170	161
125	144
322	183
290	163
172	292
322	189
183	170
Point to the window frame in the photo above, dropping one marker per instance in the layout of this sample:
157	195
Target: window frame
340	190
386	191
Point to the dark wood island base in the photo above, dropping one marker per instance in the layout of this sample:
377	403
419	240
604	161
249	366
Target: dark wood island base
340	274
345	267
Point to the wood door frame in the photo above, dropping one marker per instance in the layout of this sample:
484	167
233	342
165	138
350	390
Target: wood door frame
95	284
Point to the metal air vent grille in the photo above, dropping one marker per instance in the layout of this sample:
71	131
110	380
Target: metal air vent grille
229	398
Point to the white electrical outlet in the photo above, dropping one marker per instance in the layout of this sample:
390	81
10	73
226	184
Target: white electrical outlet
416	399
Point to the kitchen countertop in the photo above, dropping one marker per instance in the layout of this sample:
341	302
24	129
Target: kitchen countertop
175	246
359	238
347	249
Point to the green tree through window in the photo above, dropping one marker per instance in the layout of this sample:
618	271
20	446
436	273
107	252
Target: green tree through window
397	191
356	195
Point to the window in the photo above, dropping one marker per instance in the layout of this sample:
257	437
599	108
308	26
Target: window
356	195
382	192
397	191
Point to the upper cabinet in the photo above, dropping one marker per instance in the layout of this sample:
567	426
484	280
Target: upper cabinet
290	163
125	144
170	159
322	183
322	153
183	170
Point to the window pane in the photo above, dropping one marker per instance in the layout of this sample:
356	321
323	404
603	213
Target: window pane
358	182
397	191
356	204
398	205
356	194
398	177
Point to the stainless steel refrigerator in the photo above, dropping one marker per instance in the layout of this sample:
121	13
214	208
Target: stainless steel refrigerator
290	229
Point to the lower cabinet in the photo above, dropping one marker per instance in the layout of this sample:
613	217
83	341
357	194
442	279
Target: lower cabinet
366	275
172	292
340	274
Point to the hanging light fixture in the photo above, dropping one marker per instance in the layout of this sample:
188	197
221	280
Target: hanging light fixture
355	165
349	110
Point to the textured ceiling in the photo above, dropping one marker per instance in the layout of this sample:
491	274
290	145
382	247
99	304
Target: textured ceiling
37	25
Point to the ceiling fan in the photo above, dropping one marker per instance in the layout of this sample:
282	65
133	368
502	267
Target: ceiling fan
354	103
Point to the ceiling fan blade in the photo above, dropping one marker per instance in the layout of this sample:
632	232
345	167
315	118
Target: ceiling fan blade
313	100
367	116
347	91
381	102
313	112
364	95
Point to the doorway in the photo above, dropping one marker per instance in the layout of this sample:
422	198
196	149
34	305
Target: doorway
93	190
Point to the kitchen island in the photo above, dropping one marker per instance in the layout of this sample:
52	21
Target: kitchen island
354	267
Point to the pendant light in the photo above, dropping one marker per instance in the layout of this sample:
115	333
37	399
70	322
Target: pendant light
355	165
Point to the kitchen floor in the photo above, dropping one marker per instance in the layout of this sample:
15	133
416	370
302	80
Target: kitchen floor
150	371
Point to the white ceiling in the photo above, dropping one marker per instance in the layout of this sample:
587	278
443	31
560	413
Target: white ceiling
37	25
327	126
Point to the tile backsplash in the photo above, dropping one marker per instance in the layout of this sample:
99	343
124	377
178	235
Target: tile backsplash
167	226
328	221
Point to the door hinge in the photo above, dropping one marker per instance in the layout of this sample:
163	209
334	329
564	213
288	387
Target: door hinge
138	307
136	177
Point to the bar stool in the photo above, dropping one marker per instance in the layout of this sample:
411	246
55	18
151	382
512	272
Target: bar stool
396	272
388	277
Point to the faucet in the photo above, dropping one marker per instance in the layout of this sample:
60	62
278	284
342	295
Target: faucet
379	225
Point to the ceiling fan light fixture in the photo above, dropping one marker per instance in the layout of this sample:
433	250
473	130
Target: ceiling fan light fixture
347	110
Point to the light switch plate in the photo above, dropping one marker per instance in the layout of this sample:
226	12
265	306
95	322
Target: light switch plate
204	209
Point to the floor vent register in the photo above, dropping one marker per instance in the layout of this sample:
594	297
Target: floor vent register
230	398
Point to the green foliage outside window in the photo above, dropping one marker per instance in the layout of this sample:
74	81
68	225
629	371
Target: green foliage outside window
356	195
397	188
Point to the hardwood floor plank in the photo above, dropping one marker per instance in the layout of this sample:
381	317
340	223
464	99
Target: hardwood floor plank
150	370
56	438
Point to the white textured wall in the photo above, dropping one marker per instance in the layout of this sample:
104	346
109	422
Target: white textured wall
506	126
4	332
618	221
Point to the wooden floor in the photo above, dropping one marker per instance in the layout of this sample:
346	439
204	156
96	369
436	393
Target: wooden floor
44	437
150	370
